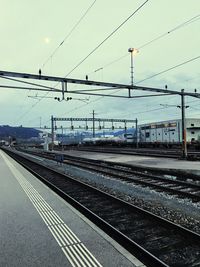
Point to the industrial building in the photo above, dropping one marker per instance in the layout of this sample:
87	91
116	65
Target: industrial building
170	131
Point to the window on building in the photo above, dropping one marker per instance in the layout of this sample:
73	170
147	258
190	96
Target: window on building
165	133
160	125
172	132
159	134
145	127
192	124
172	124
146	135
192	132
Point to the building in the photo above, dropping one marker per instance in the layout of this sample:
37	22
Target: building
169	131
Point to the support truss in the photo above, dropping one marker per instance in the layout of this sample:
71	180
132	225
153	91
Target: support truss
65	81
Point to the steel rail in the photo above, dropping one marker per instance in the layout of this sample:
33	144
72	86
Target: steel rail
193	155
171	234
168	185
126	152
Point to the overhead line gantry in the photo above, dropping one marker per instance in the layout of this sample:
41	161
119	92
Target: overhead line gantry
65	81
110	86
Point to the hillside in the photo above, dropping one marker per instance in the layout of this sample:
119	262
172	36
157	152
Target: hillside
17	132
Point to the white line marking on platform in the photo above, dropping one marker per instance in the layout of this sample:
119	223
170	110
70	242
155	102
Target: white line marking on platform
75	251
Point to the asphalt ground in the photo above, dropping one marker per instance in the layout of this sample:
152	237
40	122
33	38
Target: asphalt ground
38	228
167	164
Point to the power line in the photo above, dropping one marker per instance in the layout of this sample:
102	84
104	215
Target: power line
102	96
113	32
105	40
153	75
55	51
69	34
29	83
111	63
27	112
183	24
193	19
164	71
125	114
99	98
175	28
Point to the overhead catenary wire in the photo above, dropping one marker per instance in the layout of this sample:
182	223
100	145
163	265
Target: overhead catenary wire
127	114
97	46
164	71
69	34
187	22
29	83
171	68
101	97
60	44
108	37
172	30
111	93
179	26
176	66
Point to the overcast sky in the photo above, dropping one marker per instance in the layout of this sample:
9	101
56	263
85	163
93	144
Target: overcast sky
32	30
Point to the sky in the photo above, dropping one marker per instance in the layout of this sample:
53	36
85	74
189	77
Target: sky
55	36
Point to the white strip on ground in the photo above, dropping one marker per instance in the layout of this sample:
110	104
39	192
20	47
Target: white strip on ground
75	251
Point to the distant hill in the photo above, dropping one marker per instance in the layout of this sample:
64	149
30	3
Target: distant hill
17	132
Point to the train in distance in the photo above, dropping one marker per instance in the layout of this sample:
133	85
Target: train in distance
110	139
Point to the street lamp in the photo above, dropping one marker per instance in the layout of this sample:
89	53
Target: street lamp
133	51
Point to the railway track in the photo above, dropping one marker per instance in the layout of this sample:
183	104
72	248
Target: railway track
146	152
155	241
171	153
177	188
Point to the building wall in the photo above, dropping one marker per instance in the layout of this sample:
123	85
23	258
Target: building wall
193	129
169	131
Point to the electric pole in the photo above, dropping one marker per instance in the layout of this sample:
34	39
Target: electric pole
93	124
183	122
184	140
52	131
136	130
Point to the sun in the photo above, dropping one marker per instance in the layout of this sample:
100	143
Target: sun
47	40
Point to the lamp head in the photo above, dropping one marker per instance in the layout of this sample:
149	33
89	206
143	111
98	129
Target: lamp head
134	51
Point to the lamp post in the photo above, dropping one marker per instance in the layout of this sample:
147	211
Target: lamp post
132	51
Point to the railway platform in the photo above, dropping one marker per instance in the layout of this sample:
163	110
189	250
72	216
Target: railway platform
38	228
148	162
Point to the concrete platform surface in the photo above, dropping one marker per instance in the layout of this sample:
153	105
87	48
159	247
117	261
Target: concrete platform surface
38	228
142	161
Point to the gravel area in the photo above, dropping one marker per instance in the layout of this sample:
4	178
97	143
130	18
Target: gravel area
180	211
